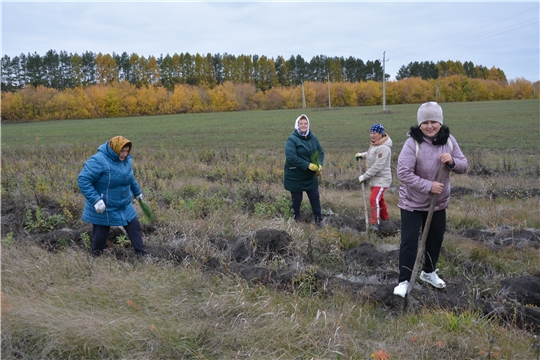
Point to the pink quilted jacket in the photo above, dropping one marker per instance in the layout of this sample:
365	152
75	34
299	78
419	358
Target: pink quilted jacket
417	174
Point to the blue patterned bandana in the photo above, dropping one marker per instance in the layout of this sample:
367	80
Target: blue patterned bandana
378	128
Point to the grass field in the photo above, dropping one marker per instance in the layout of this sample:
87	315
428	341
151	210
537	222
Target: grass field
217	176
493	125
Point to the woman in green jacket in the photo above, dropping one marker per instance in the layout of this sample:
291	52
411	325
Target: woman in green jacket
304	157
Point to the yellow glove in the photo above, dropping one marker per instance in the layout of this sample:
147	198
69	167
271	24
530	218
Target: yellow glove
320	168
313	167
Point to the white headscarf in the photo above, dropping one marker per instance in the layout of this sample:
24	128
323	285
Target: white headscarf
296	125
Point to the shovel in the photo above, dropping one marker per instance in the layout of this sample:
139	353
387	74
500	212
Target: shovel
364	196
422	244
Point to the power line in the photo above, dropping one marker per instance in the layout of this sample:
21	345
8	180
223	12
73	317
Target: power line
472	39
535	20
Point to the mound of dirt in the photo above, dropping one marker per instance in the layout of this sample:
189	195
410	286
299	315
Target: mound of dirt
368	273
504	237
371	274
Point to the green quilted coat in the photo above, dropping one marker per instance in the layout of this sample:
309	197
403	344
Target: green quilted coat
298	152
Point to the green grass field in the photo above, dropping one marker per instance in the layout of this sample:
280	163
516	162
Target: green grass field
494	125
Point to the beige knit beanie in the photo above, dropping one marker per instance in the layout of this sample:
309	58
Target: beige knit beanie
430	111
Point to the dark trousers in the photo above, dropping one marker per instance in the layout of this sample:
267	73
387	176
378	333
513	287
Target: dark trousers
411	222
100	234
314	200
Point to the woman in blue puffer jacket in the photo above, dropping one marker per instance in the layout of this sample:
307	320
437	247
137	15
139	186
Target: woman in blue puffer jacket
108	184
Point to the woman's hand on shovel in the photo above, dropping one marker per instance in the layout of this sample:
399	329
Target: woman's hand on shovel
436	188
447	158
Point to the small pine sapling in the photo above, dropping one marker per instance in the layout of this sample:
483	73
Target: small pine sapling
315	159
146	210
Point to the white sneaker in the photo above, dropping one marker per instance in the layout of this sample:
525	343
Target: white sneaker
433	279
401	289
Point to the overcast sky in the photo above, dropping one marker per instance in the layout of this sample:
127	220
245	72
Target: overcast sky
500	34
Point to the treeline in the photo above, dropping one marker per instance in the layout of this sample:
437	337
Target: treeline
119	99
62	71
429	70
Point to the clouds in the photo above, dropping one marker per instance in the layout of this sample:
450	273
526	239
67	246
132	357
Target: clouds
503	35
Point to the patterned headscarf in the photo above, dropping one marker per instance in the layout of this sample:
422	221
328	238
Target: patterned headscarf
117	143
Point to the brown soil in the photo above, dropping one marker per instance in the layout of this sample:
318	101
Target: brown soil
368	272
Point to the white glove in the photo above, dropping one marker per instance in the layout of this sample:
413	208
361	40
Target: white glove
138	197
361	179
359	156
99	206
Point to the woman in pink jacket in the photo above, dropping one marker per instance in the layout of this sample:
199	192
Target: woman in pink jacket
428	147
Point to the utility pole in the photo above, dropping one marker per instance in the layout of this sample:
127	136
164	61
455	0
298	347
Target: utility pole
303	96
384	60
329	106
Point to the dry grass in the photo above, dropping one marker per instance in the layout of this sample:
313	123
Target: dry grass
70	305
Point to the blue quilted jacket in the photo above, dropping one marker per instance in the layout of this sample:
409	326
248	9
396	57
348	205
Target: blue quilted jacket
105	177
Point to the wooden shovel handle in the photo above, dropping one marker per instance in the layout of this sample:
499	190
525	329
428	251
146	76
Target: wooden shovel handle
366	215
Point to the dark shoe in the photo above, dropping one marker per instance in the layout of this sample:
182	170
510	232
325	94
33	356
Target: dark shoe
374	228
